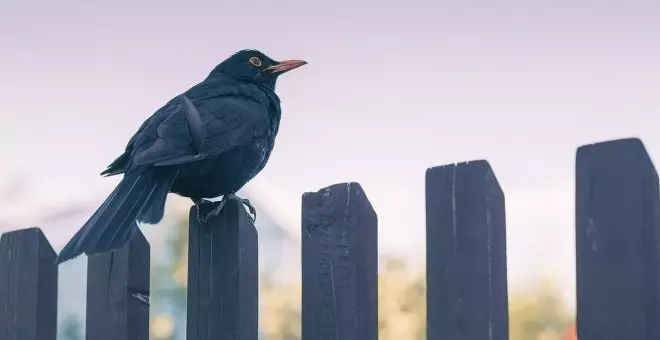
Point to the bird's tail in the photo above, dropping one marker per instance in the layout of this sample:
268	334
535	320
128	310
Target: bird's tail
140	196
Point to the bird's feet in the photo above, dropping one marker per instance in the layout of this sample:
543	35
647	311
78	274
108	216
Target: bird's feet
198	204
221	205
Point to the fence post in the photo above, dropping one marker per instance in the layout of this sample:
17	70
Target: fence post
465	253
223	275
28	286
118	292
339	265
617	239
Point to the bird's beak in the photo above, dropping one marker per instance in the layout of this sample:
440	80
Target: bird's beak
285	66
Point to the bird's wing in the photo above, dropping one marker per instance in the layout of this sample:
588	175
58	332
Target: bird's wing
145	135
205	124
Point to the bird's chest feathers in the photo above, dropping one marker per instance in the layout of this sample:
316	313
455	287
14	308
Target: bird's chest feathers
275	112
263	145
246	114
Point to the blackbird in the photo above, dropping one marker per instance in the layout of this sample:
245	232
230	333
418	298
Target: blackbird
205	143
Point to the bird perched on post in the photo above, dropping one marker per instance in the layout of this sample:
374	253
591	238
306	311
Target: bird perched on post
208	142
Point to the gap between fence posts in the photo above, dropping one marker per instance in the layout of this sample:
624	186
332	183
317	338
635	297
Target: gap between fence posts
28	286
466	269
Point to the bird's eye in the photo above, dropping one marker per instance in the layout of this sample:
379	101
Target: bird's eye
256	62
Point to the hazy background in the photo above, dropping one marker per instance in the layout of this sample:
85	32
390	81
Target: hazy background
390	89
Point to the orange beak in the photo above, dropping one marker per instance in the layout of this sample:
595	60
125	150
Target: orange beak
285	66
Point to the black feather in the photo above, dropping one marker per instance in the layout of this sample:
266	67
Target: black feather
139	196
195	125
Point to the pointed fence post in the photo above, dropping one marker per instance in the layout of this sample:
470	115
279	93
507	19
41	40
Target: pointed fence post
223	276
618	242
118	292
466	266
340	265
28	286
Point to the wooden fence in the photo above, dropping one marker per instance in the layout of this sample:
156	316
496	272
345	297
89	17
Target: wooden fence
617	238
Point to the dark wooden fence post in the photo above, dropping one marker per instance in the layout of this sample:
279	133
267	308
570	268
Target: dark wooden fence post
28	286
339	265
617	237
118	292
466	266
223	289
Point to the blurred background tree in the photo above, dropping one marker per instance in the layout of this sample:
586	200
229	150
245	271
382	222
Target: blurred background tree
169	286
538	313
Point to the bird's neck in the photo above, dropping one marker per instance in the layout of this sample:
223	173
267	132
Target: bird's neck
266	85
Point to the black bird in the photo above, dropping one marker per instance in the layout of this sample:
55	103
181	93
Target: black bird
205	143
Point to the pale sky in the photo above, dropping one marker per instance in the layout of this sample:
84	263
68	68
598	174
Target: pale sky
391	88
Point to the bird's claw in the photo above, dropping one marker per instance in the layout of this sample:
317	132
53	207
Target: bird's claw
198	204
253	211
221	205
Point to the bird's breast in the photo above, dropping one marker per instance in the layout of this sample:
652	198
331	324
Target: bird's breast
226	173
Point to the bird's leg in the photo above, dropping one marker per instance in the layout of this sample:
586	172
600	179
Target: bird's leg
228	197
253	211
198	202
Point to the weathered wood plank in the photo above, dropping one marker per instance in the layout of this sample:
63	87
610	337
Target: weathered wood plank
223	274
466	269
28	286
339	264
617	236
118	292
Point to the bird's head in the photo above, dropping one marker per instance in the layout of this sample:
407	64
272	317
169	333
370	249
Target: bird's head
253	65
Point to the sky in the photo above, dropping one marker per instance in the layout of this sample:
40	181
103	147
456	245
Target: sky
391	89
